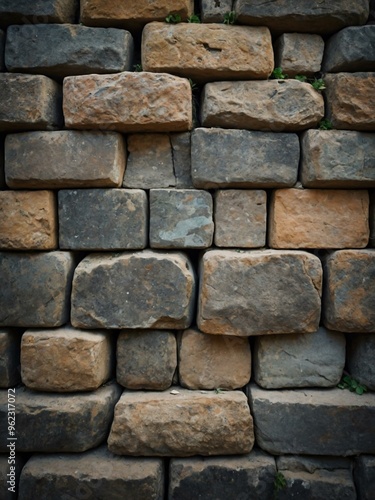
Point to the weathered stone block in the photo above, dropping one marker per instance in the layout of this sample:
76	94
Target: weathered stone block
128	102
361	358
349	292
29	102
146	359
103	219
9	357
10	489
2	49
209	362
351	49
181	157
249	476
240	218
372	220
350	100
207	52
138	290
65	359
364	476
226	158
28	220
337	159
52	423
181	425
77	50
259	292
213	11
42	11
299	53
314	218
2	173
64	159
276	105
35	289
299	360
300	421
181	218
97	474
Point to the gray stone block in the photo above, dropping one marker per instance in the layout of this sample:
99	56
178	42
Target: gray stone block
372	220
243	159
2	172
364	476
213	11
2	50
181	158
299	53
40	11
361	358
9	483
9	357
77	50
103	219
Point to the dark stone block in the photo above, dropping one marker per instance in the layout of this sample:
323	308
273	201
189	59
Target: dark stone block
9	357
364	476
361	358
37	11
9	483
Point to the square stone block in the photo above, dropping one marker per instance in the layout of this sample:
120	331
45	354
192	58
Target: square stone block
299	53
361	358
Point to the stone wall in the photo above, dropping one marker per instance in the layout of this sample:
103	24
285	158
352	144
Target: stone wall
187	249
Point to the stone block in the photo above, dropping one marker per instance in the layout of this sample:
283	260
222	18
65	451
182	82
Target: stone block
337	159
29	102
9	357
181	157
314	218
243	159
350	100
64	159
103	219
42	11
259	292
213	11
351	49
331	422
299	360
207	52
372	220
364	476
209	361
181	218
349	291
181	425
77	50
2	50
138	290
9	483
65	359
240	218
361	358
128	102
53	423
272	105
146	359
299	53
97	474
35	289
28	220
242	477
2	173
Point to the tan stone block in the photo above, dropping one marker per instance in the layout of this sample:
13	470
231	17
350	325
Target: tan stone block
207	52
299	53
128	102
28	220
65	359
319	218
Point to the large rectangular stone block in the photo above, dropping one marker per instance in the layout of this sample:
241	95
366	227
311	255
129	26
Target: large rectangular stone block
299	53
259	292
64	159
361	358
9	357
181	423
42	11
128	102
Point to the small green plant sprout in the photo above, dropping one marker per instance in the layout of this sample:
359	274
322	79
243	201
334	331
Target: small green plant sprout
318	84
230	17
301	78
348	382
193	85
138	68
173	19
279	483
219	390
278	74
194	18
325	124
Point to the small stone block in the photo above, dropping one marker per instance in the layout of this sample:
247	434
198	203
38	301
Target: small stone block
42	11
2	50
181	156
299	53
213	11
2	173
364	476
9	357
9	483
372	220
361	358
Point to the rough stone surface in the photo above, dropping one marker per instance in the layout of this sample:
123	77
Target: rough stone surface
64	159
146	359
364	475
5	468
337	159
350	100
361	358
275	105
97	474
128	102
181	425
2	49
35	289
314	218
349	291
181	156
250	476
29	102
209	362
206	52
299	53
181	218
138	290
225	158
103	219
259	292
28	220
77	50
65	359
2	173
300	421
299	360
41	11
351	49
213	11
240	218
9	357
52	423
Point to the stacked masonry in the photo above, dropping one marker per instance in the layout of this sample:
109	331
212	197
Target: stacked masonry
181	291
